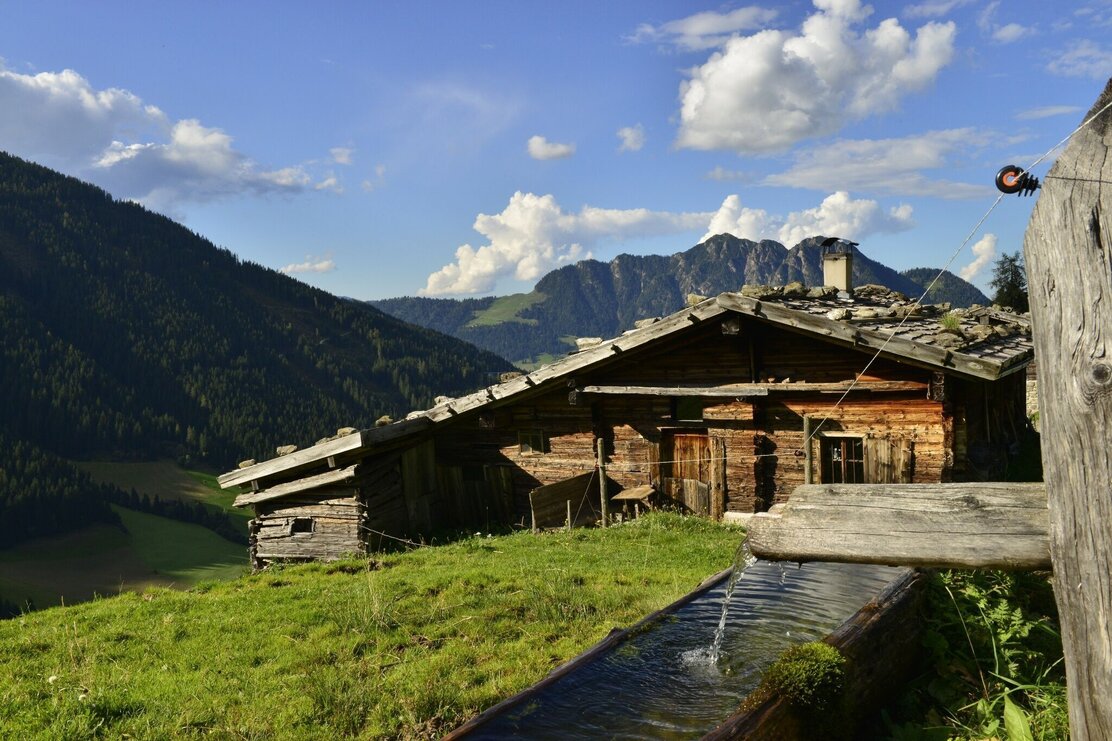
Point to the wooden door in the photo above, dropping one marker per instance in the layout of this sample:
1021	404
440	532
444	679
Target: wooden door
686	470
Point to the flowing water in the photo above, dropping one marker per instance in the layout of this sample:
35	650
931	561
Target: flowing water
743	559
680	678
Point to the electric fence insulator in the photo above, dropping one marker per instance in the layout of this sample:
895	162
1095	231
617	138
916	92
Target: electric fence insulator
1012	179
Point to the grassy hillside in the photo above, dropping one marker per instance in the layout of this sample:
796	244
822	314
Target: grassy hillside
507	309
106	560
406	646
166	480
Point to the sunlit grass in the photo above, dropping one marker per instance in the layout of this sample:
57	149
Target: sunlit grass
403	645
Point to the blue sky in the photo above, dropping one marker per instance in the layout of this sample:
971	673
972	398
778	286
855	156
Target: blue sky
453	148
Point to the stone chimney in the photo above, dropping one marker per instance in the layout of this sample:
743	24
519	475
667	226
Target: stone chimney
837	270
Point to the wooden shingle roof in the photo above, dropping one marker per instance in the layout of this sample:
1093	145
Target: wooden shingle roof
984	344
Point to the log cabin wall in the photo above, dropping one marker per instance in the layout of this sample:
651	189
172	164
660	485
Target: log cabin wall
324	525
760	438
521	446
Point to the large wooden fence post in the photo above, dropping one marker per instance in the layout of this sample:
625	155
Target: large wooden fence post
1068	248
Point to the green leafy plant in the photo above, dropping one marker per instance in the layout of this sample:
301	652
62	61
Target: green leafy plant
995	662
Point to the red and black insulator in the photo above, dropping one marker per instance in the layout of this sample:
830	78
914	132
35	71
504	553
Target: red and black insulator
1012	179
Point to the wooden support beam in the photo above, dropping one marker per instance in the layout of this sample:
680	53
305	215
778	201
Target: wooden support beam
742	390
722	391
983	525
292	487
1068	251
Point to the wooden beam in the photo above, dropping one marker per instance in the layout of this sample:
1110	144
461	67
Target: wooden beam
297	459
347	447
741	390
292	487
983	525
1068	250
723	391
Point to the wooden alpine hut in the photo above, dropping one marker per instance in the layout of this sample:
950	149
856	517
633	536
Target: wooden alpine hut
710	407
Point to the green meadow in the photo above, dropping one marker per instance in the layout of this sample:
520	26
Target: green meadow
402	645
104	560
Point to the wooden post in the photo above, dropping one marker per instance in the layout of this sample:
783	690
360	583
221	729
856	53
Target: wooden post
717	478
808	472
569	516
602	481
1068	250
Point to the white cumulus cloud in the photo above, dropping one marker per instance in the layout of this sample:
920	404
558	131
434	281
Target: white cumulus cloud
342	155
330	183
838	215
722	174
632	137
1001	33
1047	111
541	148
933	8
132	148
765	92
1083	58
890	166
704	30
533	235
370	184
311	265
984	251
196	164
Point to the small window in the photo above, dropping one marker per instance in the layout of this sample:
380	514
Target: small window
474	473
301	525
532	442
843	460
687	409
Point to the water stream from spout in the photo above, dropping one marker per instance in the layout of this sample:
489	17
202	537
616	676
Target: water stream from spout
743	559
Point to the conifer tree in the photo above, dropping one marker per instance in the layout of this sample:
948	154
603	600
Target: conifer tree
1009	281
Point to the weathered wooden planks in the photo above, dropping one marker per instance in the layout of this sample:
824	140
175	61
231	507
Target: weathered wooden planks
549	503
297	485
1068	250
983	525
735	391
858	336
290	463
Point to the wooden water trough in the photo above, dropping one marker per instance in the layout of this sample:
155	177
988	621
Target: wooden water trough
880	642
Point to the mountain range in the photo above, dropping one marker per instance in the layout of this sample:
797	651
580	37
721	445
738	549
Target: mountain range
603	299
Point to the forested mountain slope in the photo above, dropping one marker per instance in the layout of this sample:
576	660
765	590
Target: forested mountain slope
593	298
127	335
949	287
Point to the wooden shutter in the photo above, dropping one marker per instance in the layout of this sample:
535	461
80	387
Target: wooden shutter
889	460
